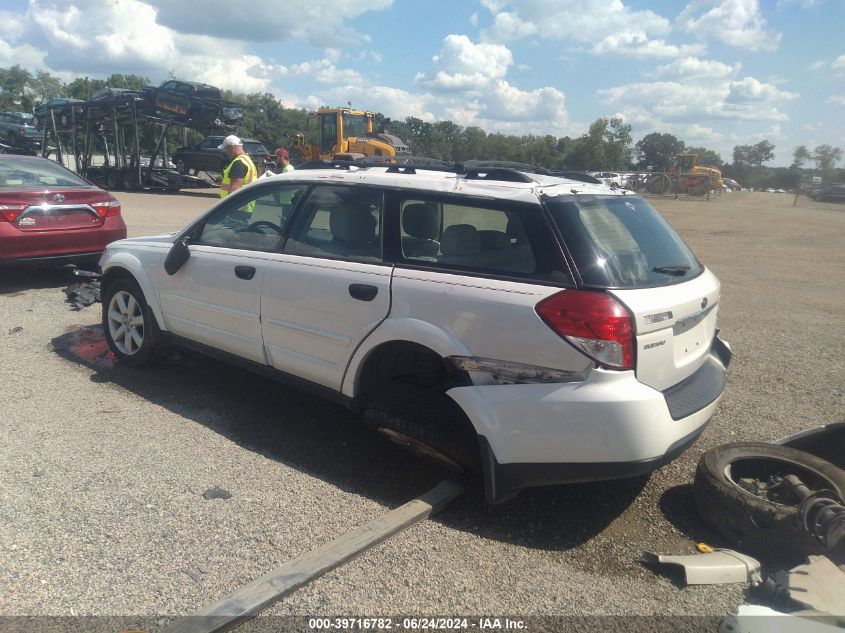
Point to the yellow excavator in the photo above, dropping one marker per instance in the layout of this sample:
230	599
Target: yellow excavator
347	134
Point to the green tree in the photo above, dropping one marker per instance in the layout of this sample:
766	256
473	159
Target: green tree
13	84
762	152
800	155
658	150
83	87
826	156
45	86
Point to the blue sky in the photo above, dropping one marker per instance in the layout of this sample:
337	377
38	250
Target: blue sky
715	73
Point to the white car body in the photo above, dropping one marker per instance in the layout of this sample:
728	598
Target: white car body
566	418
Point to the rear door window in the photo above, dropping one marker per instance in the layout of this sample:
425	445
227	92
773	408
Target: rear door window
339	222
621	242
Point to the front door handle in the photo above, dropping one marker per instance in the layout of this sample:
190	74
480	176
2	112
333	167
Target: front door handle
244	272
363	292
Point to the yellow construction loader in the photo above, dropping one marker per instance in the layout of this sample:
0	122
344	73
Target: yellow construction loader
348	134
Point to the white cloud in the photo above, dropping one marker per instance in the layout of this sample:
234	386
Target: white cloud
637	44
734	22
694	68
817	65
463	65
698	102
324	23
838	64
324	71
837	100
391	102
586	22
750	90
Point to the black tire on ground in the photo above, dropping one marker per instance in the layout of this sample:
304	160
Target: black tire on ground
130	180
112	179
754	524
124	305
425	422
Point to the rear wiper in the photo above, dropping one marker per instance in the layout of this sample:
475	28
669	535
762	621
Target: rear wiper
679	270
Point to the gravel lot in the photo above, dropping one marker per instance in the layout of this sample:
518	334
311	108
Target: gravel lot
103	468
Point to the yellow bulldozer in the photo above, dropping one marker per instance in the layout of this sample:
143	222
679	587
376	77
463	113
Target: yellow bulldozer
347	134
686	176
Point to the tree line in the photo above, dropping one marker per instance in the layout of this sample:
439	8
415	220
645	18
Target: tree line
607	144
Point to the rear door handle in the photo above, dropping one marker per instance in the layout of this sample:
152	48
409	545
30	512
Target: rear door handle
363	292
244	272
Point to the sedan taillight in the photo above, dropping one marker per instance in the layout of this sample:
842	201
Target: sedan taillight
106	209
10	212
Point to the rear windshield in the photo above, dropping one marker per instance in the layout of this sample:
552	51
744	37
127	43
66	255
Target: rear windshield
27	172
255	148
621	242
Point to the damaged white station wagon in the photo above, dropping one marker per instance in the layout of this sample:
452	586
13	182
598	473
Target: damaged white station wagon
536	329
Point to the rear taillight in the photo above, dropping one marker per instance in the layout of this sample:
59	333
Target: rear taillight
10	212
595	323
106	209
21	131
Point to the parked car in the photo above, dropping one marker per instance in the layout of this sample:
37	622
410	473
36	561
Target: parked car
17	129
610	178
831	193
49	215
199	105
205	155
64	110
389	290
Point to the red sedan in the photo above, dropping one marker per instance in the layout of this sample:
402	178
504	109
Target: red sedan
49	215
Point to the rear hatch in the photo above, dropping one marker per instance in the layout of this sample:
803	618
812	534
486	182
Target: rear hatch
622	245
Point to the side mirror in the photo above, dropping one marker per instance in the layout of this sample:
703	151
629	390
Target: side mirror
178	255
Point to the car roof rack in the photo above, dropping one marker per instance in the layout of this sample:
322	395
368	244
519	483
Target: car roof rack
471	169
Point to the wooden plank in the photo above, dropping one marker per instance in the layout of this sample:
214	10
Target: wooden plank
251	599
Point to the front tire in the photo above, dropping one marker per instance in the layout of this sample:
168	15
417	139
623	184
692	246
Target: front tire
129	325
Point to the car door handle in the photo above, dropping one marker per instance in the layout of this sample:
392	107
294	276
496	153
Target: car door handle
363	292
244	272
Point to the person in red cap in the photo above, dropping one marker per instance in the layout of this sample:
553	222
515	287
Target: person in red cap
283	161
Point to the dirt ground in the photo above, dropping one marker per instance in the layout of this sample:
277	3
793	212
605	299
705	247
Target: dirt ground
103	468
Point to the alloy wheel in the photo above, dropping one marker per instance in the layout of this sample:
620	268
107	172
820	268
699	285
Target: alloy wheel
126	323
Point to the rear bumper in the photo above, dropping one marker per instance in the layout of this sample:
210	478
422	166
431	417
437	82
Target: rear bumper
609	426
56	247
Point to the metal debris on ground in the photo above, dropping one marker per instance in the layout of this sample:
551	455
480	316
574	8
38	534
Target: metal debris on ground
721	566
83	294
16	330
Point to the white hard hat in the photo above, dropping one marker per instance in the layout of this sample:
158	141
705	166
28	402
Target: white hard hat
230	140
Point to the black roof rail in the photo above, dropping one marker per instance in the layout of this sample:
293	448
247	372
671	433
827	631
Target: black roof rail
472	169
505	164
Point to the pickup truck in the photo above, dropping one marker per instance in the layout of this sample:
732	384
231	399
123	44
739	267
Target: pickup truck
18	130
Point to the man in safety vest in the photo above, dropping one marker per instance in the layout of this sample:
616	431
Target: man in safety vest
241	171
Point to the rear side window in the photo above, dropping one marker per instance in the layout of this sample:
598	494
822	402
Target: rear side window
621	242
467	236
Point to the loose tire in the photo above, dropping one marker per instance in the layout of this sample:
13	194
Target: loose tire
426	423
129	325
756	520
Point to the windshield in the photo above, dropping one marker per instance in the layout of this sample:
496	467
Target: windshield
27	172
621	242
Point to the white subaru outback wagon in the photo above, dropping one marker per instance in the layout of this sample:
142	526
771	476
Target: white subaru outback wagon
535	329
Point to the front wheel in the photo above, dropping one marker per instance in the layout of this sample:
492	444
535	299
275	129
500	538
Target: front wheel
128	324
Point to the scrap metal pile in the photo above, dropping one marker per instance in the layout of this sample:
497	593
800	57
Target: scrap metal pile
118	138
